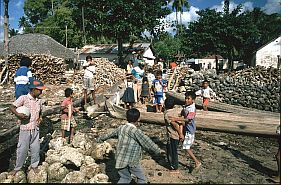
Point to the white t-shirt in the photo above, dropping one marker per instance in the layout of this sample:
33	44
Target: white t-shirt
206	93
89	71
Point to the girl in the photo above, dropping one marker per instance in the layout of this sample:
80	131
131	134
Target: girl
128	96
145	92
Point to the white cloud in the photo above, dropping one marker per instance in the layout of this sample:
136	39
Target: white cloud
187	17
19	4
272	6
245	6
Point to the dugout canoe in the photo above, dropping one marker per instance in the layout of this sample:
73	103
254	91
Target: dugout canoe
210	121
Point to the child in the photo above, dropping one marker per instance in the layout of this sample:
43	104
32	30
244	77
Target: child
129	67
206	92
131	141
189	112
174	133
145	91
150	77
158	86
22	77
128	96
68	122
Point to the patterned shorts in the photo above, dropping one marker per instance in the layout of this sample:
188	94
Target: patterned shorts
188	140
89	84
64	124
158	100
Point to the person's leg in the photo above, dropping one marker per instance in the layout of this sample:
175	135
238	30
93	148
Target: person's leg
187	143
35	148
125	176
85	97
139	173
276	179
139	91
71	134
174	153
62	133
94	96
22	149
205	104
135	87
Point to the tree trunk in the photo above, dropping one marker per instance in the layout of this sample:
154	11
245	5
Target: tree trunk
120	50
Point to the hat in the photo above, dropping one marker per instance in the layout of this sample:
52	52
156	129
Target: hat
133	52
36	84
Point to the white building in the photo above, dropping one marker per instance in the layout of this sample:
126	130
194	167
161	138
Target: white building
268	54
110	51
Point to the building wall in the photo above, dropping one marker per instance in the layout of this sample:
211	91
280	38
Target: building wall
267	56
211	63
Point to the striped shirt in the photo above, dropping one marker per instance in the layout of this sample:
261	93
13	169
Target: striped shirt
35	106
130	143
23	75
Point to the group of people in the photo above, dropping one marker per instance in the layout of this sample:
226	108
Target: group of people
180	122
143	84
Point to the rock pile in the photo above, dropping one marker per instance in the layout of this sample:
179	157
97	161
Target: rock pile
67	163
255	87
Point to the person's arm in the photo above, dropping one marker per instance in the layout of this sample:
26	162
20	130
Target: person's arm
146	142
29	75
109	135
19	102
198	93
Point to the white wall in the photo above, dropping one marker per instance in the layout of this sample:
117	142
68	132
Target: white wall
205	62
267	56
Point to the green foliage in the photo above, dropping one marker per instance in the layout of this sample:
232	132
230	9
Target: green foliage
167	46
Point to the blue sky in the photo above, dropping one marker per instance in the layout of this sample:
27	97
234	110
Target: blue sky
270	6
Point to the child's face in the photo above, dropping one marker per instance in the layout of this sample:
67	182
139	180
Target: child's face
159	77
205	84
188	100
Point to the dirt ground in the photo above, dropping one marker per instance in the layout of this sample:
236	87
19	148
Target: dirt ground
226	158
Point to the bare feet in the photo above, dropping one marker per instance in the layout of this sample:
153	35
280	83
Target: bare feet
197	166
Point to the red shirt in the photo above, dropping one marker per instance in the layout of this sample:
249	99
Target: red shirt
173	65
65	104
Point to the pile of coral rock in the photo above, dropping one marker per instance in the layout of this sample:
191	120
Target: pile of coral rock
255	87
67	163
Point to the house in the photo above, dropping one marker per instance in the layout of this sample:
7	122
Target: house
208	62
110	51
269	54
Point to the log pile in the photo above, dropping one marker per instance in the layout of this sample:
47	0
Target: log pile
255	87
47	68
107	73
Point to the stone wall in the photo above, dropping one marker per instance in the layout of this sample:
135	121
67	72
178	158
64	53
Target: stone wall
256	87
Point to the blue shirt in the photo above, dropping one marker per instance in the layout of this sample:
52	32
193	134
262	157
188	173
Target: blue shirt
23	75
189	112
137	73
158	88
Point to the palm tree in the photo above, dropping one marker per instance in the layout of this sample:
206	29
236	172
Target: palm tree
13	32
23	23
179	5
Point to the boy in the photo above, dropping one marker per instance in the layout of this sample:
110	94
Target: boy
88	78
189	112
174	133
158	86
206	92
68	122
23	77
29	133
131	141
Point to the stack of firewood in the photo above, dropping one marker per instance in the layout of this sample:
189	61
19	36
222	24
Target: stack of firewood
46	68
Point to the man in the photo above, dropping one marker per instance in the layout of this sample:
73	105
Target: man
29	133
88	78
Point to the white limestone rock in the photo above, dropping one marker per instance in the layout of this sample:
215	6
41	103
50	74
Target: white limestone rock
56	143
101	150
75	177
20	177
40	177
57	171
99	178
83	142
90	170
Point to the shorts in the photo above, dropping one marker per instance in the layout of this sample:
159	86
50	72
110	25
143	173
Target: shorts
64	124
158	100
206	101
88	84
188	140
